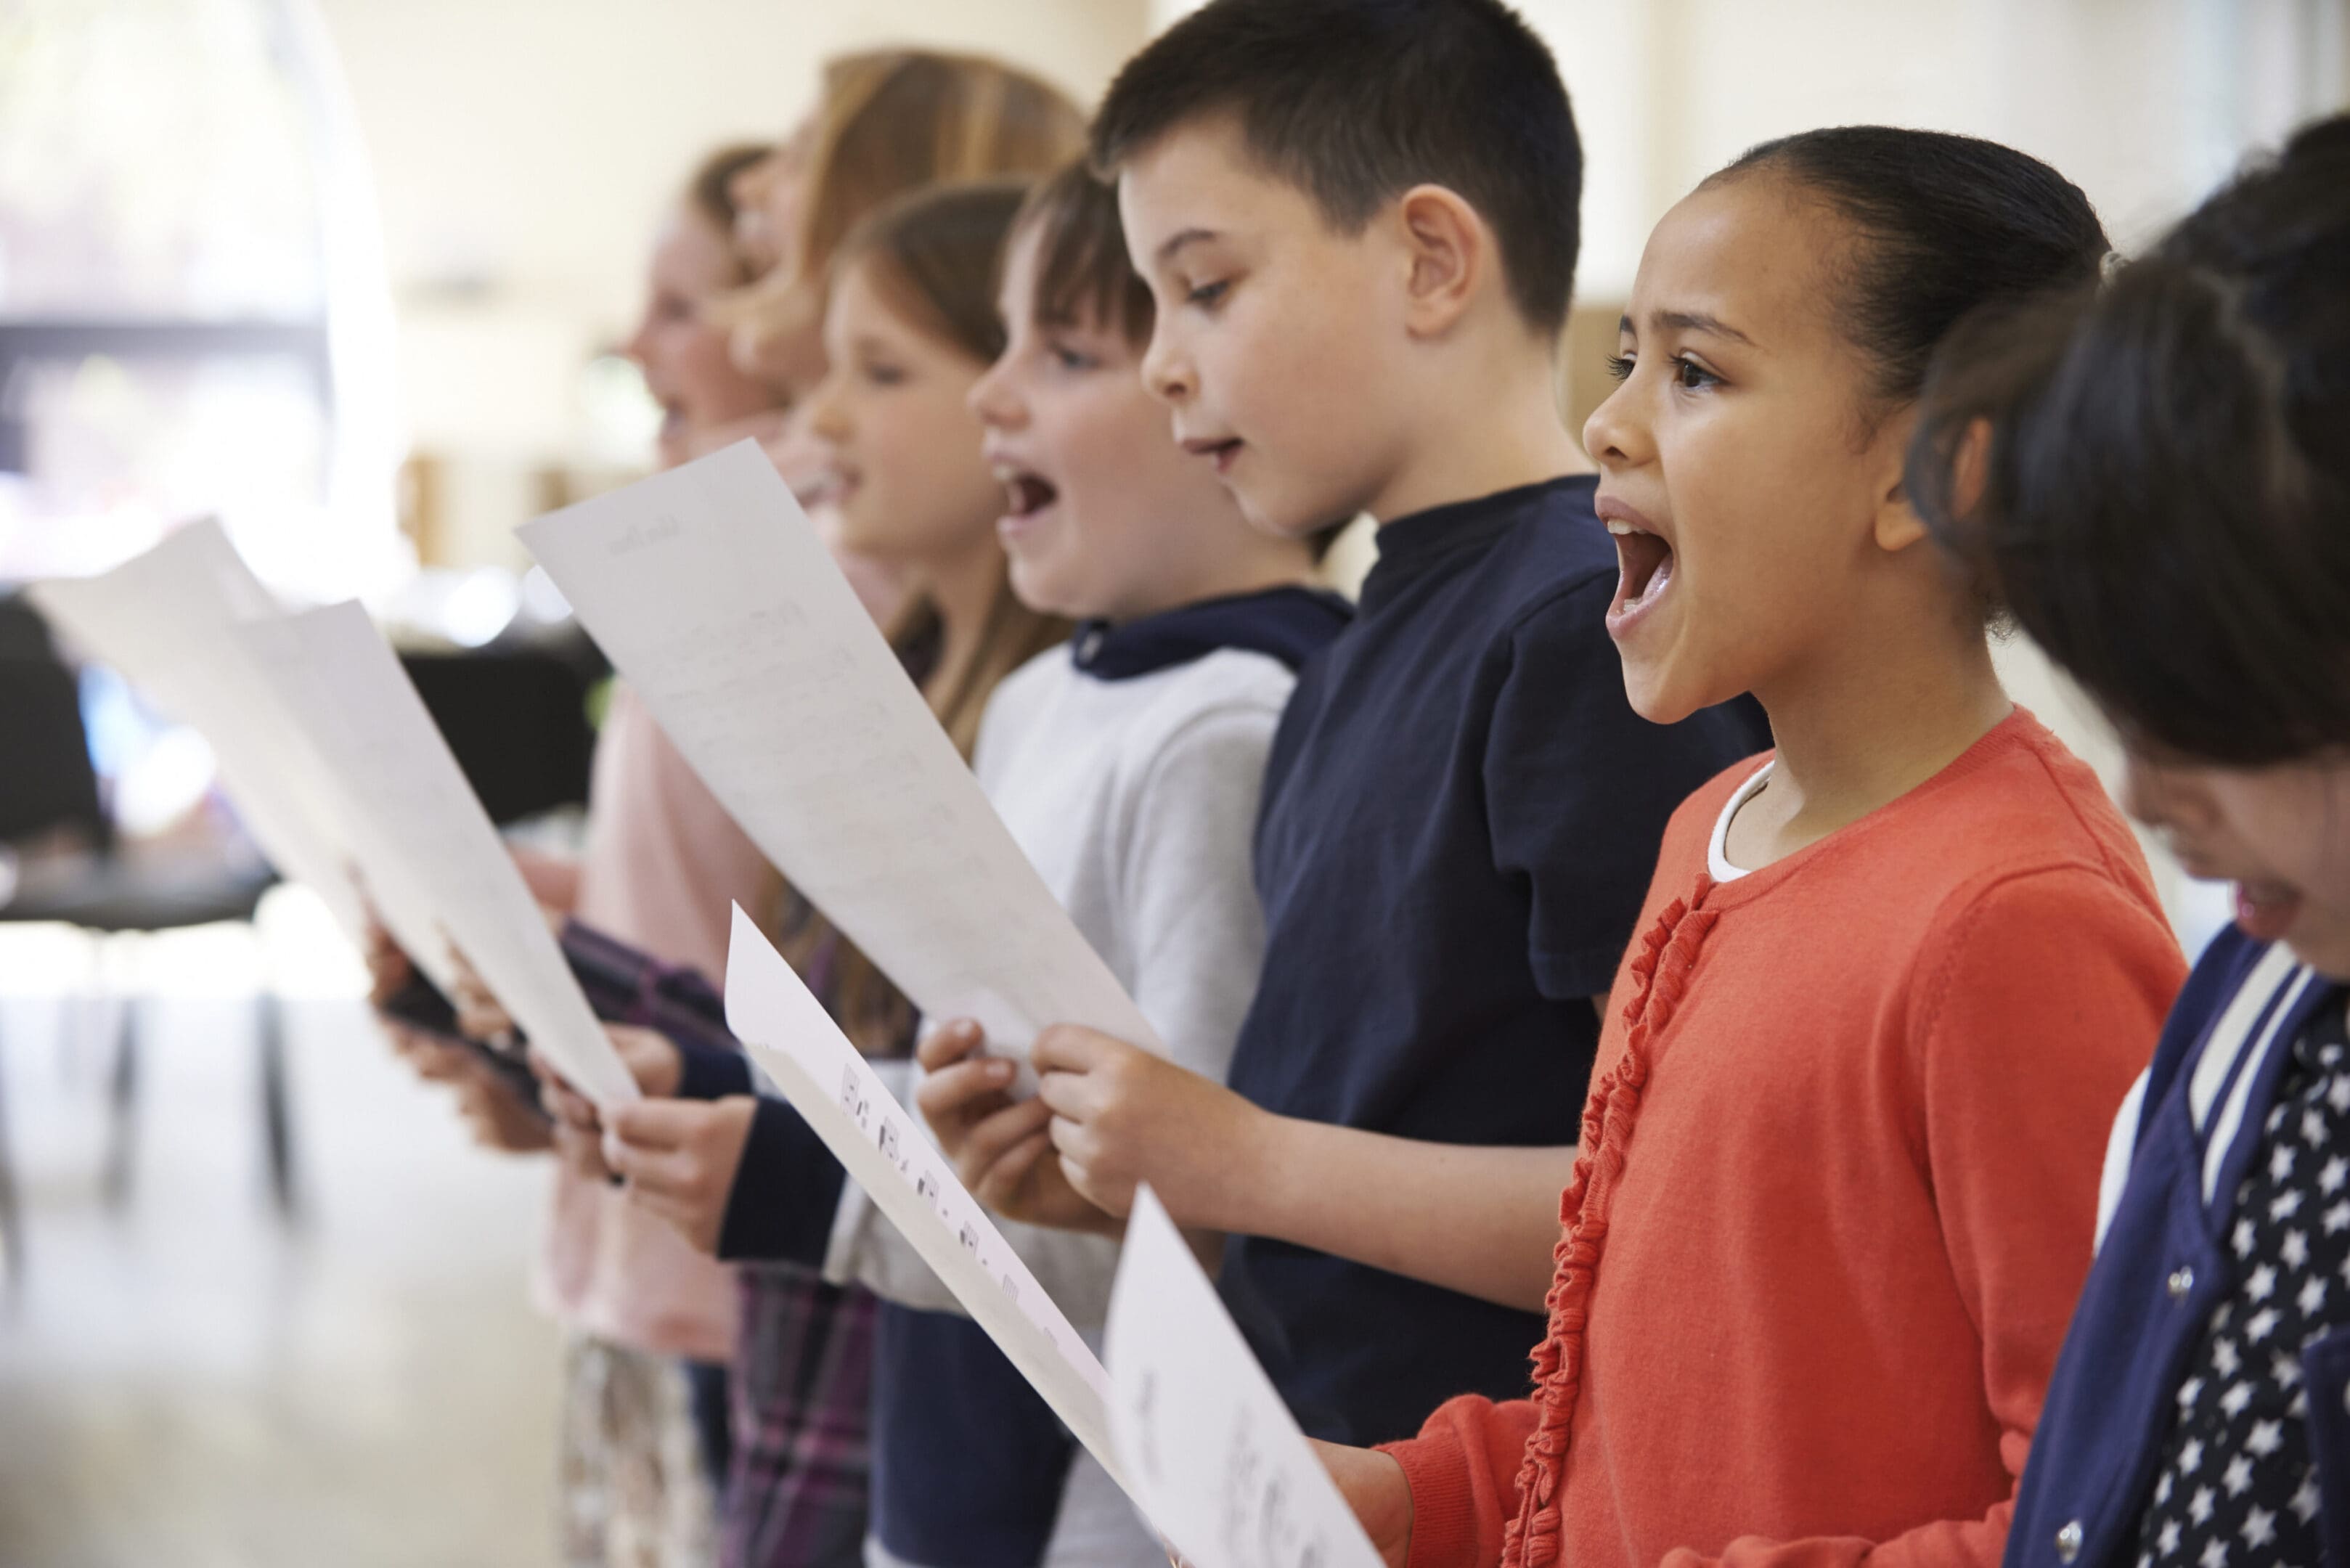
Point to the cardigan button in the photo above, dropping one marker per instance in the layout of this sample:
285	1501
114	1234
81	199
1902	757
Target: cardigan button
2182	1279
2068	1541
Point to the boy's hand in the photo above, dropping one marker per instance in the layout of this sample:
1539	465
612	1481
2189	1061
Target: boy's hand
1373	1485
1122	1117
1002	1148
680	1156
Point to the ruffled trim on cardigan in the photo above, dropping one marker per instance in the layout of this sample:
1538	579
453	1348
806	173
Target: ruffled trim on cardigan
1667	956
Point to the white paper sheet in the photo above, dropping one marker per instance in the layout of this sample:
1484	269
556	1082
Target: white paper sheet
709	589
413	818
162	619
1208	1448
788	1033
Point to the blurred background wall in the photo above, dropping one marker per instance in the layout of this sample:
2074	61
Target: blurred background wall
523	150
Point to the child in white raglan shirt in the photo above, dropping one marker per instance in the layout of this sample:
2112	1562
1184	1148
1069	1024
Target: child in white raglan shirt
1127	765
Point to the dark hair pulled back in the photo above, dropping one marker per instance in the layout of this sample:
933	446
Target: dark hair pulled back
2154	475
1944	224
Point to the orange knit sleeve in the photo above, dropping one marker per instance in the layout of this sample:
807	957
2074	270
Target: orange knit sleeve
1463	1473
2034	1006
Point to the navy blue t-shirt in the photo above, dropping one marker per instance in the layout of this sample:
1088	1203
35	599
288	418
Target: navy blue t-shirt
1461	814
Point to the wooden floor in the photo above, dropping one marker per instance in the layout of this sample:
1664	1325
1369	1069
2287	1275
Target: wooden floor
185	1381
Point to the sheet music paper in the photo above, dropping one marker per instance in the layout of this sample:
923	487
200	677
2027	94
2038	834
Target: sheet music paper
162	619
788	1033
1208	1448
414	817
709	589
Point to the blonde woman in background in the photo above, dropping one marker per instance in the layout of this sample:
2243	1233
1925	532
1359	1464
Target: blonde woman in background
889	121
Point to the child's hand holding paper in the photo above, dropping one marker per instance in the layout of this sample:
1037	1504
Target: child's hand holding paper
679	1158
1002	1146
650	1059
1123	1115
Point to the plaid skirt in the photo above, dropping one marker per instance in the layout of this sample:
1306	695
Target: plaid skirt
803	1421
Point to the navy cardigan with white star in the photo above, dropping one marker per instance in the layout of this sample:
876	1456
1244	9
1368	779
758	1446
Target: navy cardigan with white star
2183	1141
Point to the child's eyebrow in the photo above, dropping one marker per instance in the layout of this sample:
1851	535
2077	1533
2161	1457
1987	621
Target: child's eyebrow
1182	237
1691	321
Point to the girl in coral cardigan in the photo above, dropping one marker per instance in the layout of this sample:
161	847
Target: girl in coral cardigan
1840	1159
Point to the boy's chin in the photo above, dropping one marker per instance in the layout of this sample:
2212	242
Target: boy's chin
1268	509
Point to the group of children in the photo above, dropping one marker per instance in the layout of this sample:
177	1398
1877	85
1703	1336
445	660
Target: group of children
1487	890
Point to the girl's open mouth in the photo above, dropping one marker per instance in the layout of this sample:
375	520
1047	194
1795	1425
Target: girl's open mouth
1645	563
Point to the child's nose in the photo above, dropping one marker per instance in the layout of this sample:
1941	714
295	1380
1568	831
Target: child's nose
1610	435
827	419
992	403
1166	370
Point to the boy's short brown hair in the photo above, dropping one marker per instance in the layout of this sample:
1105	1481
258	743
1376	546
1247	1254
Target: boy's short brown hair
1356	101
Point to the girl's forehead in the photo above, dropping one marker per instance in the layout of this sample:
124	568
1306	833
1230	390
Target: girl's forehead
1747	252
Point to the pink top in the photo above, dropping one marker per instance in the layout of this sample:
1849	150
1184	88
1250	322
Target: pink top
663	861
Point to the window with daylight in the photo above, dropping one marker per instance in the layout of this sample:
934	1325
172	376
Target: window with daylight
193	318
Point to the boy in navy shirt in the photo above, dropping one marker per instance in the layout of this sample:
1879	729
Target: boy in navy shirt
1357	218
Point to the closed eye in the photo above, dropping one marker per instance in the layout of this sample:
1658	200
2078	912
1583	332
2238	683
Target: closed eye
1207	295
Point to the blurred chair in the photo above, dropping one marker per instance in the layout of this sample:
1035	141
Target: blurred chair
515	714
68	868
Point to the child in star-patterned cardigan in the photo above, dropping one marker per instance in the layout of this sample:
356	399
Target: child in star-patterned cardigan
2184	551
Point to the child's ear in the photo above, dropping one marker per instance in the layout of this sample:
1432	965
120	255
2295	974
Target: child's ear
1447	251
1897	525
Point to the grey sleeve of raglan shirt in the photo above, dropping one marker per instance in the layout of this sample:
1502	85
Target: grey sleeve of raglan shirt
1186	893
1187	873
1183	858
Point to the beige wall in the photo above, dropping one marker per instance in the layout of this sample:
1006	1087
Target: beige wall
2145	103
521	151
